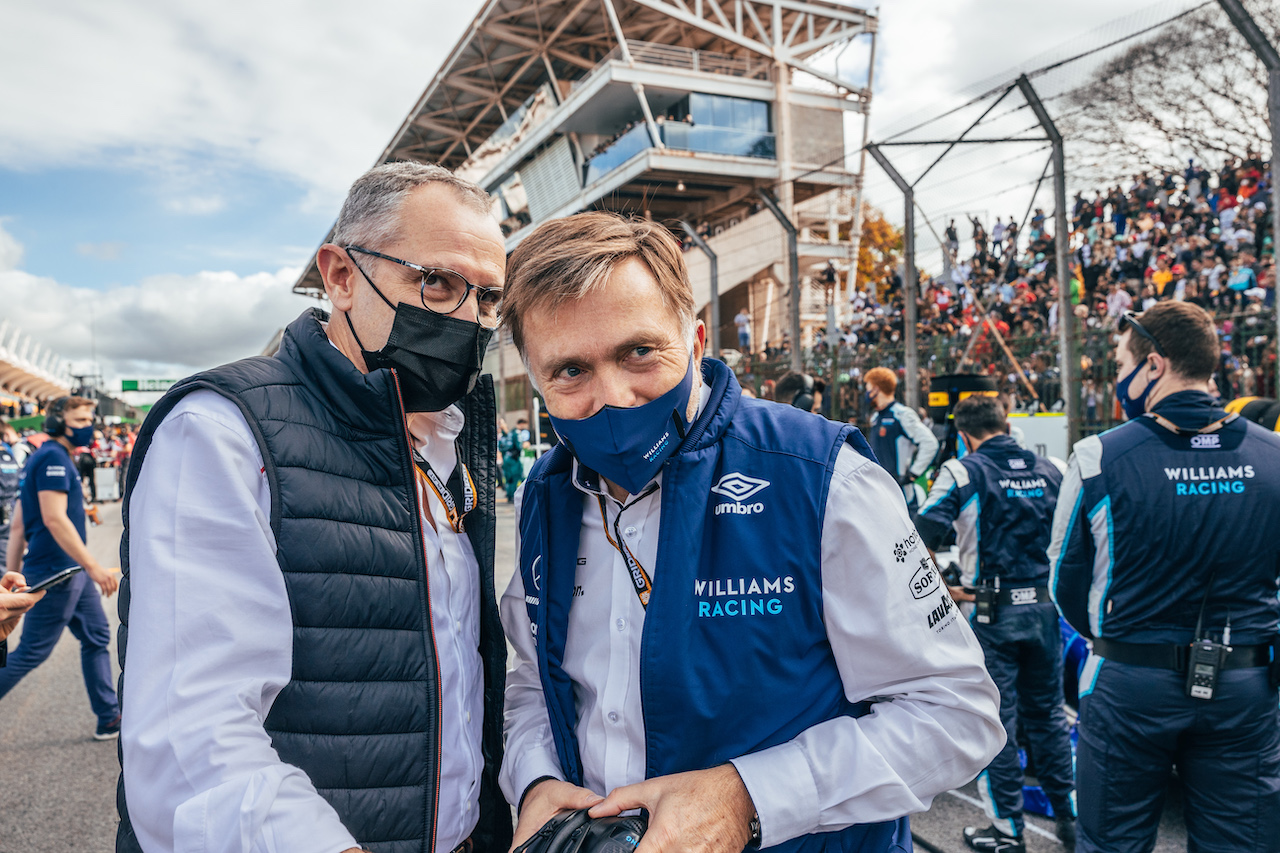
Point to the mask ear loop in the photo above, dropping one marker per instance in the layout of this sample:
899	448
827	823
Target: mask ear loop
347	316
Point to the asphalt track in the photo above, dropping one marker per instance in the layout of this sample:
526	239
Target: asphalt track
57	785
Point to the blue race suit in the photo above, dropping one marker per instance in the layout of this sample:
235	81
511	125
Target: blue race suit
903	445
1000	500
1154	527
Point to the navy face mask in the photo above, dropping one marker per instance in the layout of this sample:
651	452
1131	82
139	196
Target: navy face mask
1133	408
628	446
81	436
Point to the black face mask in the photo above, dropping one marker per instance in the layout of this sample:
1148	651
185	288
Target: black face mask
437	358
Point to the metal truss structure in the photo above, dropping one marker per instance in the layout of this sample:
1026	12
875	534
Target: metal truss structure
513	47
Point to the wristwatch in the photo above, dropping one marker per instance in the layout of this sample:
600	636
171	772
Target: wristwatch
754	828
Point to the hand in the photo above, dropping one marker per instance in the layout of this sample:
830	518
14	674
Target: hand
105	579
14	604
703	811
958	594
544	801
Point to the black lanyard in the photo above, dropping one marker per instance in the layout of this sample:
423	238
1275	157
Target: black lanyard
1177	430
459	491
639	577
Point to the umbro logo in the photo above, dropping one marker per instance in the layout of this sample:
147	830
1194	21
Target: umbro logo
739	486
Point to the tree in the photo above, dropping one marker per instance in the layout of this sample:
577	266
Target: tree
1193	89
880	250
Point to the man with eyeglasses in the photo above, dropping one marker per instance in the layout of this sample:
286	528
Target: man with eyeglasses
314	659
1163	552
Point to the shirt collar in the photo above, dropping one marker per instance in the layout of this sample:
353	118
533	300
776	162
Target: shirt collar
434	434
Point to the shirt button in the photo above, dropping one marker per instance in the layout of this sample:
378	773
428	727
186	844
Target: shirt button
468	716
613	716
622	624
467	806
458	624
630	531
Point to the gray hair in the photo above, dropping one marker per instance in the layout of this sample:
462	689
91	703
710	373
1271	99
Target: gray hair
371	214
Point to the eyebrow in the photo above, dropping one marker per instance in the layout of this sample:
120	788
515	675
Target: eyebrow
620	350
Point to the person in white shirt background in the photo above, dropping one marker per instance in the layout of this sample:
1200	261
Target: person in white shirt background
314	660
629	689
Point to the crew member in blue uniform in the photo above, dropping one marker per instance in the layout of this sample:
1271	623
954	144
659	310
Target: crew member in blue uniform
903	445
1164	552
1000	500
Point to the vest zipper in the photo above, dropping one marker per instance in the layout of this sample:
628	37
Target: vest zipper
432	660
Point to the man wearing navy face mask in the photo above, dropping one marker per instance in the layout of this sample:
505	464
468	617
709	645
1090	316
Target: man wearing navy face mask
1163	552
315	662
49	524
722	612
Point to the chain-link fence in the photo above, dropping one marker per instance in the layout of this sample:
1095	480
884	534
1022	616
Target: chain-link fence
1247	368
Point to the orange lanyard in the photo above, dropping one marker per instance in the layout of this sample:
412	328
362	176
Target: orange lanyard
466	486
639	577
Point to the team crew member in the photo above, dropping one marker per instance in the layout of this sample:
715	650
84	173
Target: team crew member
676	653
901	441
1164	552
1000	500
9	475
50	516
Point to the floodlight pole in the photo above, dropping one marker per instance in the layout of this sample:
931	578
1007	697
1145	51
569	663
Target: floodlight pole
1070	366
911	359
793	258
1266	51
713	343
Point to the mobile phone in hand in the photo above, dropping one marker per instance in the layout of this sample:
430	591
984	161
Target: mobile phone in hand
53	580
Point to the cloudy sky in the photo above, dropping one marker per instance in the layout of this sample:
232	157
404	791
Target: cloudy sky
168	166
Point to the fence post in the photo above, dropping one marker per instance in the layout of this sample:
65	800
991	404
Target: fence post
911	356
1066	317
793	258
714	338
1267	53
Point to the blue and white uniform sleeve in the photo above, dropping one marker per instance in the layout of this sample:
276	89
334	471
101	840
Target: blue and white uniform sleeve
210	648
530	751
935	724
919	435
1072	550
951	489
52	475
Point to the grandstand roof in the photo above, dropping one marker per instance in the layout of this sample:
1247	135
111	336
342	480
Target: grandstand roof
514	46
28	370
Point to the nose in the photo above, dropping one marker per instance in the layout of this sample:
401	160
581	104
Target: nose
469	310
615	389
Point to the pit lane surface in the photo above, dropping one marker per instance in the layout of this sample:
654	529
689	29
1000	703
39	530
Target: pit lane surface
59	784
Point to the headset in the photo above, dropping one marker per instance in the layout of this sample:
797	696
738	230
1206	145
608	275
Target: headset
803	398
55	421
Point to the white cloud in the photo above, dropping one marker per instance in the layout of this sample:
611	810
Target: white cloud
11	250
165	326
197	205
99	251
309	88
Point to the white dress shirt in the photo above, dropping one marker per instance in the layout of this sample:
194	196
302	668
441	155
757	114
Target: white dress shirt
211	646
936	727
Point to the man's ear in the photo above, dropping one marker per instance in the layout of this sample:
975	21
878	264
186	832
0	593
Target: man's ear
699	341
339	275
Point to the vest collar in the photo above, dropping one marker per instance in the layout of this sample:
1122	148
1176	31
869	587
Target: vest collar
361	400
723	397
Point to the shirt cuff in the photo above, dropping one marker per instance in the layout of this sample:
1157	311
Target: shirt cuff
783	790
530	766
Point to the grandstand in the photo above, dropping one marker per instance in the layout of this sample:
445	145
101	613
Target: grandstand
29	371
664	109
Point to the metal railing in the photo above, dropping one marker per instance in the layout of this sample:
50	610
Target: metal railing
1247	368
672	56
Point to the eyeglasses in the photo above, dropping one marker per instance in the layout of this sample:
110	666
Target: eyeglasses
1129	318
443	291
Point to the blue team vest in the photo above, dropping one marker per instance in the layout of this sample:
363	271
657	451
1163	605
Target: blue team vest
734	657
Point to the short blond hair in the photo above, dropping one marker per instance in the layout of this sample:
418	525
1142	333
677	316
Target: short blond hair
883	379
565	259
